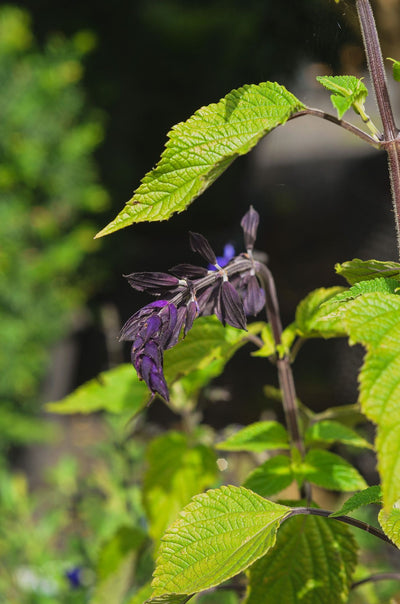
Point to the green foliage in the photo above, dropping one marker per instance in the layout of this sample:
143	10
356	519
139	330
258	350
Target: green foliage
349	92
201	149
313	318
271	477
257	437
49	189
312	561
329	432
369	495
330	471
222	532
363	270
395	69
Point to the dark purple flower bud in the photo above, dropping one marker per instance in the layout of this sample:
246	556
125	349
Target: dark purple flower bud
74	577
208	299
249	225
188	271
254	296
180	320
135	323
232	310
154	283
191	314
157	384
199	243
168	316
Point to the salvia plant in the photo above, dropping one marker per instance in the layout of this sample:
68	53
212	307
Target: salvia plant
242	542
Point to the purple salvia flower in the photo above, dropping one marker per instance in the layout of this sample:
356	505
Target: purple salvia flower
249	225
253	297
231	306
152	282
228	254
199	243
188	271
192	310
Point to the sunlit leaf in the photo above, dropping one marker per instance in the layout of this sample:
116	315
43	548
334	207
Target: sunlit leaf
199	150
367	496
361	270
257	437
271	477
330	471
314	316
390	523
219	534
329	432
349	91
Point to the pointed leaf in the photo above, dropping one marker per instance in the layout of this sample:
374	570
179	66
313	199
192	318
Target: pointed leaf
314	315
330	471
349	91
271	477
176	472
369	495
257	437
115	391
330	432
201	149
218	535
312	562
360	270
269	344
390	523
395	69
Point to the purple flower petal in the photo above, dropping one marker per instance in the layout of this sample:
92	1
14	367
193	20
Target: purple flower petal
189	271
254	297
191	314
232	310
152	282
199	243
174	337
249	225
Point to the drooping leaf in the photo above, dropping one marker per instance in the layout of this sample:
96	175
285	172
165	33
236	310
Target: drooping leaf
361	270
330	432
257	437
219	534
349	92
314	316
374	321
199	150
205	351
116	565
330	471
268	340
176	471
115	391
312	562
369	495
390	523
271	477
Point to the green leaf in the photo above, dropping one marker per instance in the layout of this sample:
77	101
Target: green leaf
312	562
201	149
141	596
257	437
361	270
395	69
390	523
271	477
378	284
176	471
330	471
115	391
219	534
217	596
374	321
269	344
330	432
169	599
314	316
116	564
349	92
369	495
205	351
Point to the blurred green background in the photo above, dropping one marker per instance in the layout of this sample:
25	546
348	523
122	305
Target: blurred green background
86	98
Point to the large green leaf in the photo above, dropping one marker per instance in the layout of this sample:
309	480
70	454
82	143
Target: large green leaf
390	522
176	471
199	150
115	391
374	321
257	437
330	471
219	534
271	477
361	270
349	92
369	495
312	562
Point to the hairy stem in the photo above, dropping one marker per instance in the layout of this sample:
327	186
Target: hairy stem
285	374
342	123
346	519
391	141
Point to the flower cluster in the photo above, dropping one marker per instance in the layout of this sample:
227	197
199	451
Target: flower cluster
229	289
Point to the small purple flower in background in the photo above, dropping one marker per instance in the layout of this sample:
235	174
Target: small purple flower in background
74	576
229	288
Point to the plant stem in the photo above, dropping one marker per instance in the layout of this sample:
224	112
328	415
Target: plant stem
377	577
285	374
342	123
391	141
346	519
